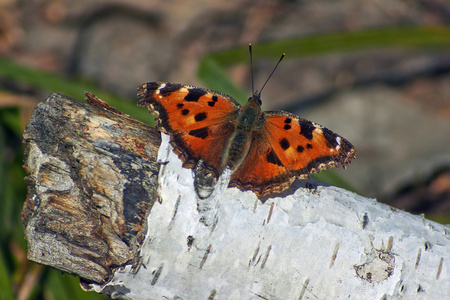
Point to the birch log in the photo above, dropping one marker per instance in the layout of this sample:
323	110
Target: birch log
313	242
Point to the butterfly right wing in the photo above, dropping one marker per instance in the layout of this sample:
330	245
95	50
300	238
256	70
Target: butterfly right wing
286	148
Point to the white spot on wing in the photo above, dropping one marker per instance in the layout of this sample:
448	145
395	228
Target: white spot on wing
163	85
338	140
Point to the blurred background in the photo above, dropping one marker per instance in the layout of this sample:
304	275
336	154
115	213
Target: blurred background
376	72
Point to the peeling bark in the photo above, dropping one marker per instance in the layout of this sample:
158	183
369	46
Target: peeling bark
92	179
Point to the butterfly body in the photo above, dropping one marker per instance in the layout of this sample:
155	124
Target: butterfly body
265	151
249	120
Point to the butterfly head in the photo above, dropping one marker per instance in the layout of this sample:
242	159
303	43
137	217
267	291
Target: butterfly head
250	113
255	100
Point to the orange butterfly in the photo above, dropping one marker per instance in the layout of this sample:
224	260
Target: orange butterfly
266	151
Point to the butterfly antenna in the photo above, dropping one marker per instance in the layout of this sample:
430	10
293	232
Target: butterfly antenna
251	65
282	55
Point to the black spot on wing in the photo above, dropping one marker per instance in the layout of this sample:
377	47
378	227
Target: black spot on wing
288	120
185	112
309	146
300	149
152	86
284	143
306	129
287	126
272	158
330	136
200	116
180	105
214	100
169	88
200	133
194	94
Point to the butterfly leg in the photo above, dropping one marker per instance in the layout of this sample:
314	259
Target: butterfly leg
204	180
204	183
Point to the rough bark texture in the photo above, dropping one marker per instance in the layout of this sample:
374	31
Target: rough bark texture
312	242
92	178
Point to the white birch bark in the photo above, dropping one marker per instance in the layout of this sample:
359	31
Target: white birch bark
320	242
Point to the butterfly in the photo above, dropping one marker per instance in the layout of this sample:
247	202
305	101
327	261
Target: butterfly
265	151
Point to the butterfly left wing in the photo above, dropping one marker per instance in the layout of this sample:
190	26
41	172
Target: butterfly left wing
198	120
289	147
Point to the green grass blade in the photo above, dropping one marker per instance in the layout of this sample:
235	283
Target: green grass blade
66	287
215	78
410	37
331	177
6	291
69	87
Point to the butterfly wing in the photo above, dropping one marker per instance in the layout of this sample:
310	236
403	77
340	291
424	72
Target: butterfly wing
289	147
199	121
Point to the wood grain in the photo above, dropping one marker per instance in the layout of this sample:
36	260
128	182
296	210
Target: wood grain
92	179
